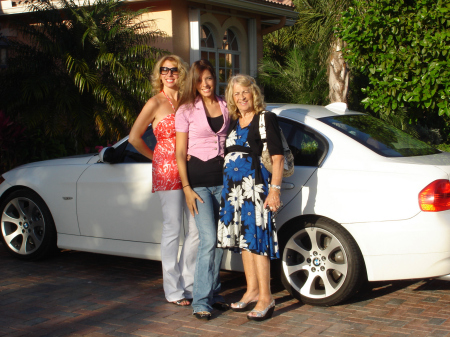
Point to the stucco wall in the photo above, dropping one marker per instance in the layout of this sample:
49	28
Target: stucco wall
172	18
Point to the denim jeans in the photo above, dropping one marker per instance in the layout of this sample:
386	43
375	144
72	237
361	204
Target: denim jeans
209	257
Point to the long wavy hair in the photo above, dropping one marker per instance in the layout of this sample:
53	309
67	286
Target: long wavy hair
182	66
190	92
245	81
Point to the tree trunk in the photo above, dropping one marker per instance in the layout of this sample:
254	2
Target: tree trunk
338	73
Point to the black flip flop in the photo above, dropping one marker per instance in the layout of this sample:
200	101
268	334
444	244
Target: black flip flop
222	306
202	315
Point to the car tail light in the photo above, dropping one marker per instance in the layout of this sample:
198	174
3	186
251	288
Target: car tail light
435	197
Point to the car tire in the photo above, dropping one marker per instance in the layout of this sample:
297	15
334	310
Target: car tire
321	264
26	226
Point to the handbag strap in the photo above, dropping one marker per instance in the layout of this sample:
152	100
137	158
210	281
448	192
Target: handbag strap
262	129
284	141
262	132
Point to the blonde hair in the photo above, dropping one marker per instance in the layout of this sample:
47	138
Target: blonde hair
182	66
245	81
190	92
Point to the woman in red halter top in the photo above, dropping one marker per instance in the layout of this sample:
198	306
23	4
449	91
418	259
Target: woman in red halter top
165	171
178	275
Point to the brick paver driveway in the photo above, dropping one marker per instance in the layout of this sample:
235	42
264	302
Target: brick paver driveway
81	294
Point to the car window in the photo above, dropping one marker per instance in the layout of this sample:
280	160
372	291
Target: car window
379	136
307	146
131	155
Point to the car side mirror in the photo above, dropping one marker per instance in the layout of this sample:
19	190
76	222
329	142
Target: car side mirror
106	155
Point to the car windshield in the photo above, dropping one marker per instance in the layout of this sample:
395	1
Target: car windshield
378	136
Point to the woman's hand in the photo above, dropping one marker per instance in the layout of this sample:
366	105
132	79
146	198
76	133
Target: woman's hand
191	198
273	199
182	157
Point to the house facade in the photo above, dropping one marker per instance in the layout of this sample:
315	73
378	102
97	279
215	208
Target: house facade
229	33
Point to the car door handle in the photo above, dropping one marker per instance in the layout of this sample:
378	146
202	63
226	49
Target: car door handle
287	186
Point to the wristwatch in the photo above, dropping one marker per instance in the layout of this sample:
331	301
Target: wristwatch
278	187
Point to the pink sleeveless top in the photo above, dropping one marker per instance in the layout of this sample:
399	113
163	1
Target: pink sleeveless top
165	170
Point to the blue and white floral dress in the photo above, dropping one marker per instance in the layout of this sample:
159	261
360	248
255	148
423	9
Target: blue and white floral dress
244	224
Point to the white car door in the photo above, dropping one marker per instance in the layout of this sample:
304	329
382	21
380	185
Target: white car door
309	150
115	201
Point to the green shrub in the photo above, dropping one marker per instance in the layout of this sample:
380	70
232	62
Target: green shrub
19	145
403	47
444	147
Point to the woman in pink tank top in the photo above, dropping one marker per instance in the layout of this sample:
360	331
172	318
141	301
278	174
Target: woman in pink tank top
178	275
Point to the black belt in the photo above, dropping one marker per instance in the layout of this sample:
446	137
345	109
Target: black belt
255	160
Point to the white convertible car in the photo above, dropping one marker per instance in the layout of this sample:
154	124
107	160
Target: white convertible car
366	202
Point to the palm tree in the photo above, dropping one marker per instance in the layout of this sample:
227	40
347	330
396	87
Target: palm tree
316	24
300	79
277	45
83	69
315	28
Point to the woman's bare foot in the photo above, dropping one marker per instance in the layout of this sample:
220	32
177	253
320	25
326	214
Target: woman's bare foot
248	297
182	303
263	303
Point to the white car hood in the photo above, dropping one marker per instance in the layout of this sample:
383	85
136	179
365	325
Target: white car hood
439	160
73	160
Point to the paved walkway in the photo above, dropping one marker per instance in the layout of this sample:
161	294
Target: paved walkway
81	294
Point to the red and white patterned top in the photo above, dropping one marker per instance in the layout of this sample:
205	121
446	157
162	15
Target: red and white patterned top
165	170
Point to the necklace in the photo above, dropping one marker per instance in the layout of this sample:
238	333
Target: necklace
171	104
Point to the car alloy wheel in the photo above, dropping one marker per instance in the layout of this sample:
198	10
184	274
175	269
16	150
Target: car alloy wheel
27	228
321	263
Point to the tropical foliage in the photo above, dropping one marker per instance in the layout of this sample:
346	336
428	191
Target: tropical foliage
316	23
277	44
79	70
10	134
18	145
314	35
300	79
403	47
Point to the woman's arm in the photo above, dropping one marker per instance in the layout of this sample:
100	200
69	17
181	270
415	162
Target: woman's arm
181	155
146	116
273	199
275	146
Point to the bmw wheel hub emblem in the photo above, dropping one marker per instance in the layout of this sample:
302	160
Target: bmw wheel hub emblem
316	262
26	225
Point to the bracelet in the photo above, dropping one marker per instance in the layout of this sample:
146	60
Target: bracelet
278	187
186	186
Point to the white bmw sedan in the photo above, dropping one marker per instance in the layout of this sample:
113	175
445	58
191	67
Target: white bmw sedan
366	202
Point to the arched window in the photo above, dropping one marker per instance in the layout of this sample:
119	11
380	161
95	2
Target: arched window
229	59
208	46
224	58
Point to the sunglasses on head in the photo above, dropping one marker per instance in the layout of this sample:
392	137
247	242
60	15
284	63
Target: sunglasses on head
165	70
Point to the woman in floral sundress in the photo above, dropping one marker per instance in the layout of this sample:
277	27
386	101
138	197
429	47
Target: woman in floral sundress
250	193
